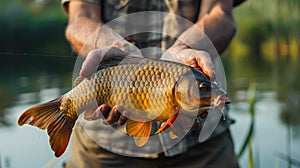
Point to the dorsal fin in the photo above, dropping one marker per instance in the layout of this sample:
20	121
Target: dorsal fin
121	61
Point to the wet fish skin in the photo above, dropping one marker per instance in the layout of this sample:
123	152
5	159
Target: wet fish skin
146	87
151	90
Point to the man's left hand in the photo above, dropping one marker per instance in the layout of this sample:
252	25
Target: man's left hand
200	60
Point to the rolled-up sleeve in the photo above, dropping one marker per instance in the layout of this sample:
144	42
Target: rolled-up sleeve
65	3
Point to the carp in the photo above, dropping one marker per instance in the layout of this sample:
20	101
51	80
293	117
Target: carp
151	90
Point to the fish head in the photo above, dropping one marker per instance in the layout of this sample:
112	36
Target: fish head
196	93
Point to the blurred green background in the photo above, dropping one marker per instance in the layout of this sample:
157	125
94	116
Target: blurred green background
32	45
35	56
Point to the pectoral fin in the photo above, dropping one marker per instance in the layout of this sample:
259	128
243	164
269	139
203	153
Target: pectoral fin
140	131
168	123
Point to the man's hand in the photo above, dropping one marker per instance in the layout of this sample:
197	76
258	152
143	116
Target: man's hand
95	57
117	114
200	60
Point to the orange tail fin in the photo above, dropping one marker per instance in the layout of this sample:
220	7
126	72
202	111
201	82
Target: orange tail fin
47	116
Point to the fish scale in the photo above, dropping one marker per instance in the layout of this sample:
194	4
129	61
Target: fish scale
131	86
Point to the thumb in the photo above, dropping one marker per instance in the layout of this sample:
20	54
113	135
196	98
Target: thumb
95	57
92	61
205	62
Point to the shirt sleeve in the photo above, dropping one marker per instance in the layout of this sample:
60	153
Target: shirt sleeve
237	2
65	3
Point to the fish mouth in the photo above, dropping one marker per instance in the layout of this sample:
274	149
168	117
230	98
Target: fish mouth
220	101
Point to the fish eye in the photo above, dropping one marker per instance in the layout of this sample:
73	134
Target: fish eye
203	86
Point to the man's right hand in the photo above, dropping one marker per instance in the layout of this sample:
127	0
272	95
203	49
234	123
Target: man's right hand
95	57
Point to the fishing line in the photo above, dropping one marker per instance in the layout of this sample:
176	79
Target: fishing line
39	55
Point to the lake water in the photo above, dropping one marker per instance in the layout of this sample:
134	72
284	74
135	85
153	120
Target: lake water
270	133
28	146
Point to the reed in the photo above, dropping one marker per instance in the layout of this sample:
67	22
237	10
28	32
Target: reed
251	93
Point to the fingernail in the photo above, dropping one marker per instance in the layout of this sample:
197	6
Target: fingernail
83	74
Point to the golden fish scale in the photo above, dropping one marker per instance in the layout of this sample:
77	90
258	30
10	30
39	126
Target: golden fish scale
145	89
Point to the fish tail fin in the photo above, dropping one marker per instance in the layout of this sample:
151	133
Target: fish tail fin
41	115
47	116
59	132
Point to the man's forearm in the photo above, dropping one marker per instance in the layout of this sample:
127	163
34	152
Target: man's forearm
84	21
216	23
220	29
86	31
82	33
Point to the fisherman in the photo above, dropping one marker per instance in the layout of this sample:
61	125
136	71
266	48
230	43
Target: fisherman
212	17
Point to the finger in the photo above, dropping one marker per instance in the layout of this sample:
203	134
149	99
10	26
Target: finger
206	64
195	65
94	58
114	52
128	48
91	62
104	109
101	112
123	117
97	114
114	114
